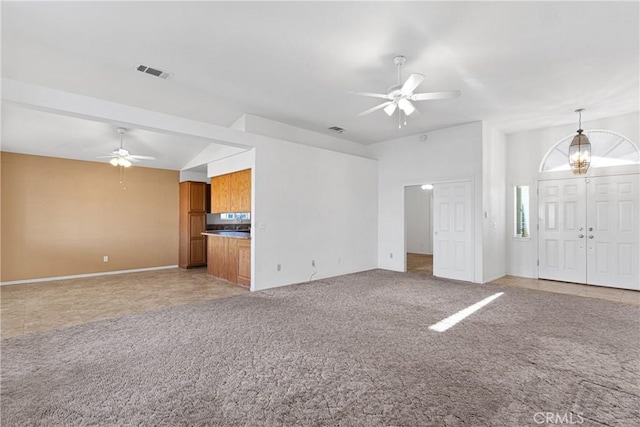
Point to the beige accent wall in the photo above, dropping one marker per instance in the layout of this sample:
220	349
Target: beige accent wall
60	217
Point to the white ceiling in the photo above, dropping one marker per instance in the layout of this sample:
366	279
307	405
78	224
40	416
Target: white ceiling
45	134
519	65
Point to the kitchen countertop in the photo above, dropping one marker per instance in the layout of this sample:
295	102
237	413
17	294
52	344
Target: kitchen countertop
228	233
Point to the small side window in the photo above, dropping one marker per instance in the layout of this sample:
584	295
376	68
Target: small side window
521	211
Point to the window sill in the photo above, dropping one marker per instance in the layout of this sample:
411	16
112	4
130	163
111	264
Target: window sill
524	239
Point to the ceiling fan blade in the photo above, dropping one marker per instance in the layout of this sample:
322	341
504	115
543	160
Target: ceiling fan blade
389	109
405	105
412	82
376	108
135	156
435	95
374	95
110	156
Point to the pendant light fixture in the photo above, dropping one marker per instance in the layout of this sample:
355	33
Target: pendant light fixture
580	150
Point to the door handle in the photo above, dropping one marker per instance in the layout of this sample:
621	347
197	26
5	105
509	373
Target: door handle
590	228
580	236
591	236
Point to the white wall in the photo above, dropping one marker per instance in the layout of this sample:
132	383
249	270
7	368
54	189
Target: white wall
451	154
312	204
193	176
237	162
262	126
418	220
525	151
493	202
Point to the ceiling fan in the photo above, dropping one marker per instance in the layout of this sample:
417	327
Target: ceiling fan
399	97
122	156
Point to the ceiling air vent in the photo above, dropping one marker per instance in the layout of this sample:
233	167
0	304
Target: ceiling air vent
336	129
154	72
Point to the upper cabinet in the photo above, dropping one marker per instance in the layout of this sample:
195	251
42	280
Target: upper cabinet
221	193
241	191
231	192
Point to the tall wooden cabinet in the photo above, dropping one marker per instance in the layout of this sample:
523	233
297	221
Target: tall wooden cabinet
231	192
194	205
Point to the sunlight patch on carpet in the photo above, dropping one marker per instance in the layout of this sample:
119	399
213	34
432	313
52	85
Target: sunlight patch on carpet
445	324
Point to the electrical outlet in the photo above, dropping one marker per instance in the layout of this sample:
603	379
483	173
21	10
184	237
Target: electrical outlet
105	258
279	267
391	255
313	263
339	260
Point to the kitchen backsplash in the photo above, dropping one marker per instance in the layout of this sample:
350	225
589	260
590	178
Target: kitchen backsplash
214	222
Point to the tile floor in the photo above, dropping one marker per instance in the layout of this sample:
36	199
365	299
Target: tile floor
42	306
423	264
601	292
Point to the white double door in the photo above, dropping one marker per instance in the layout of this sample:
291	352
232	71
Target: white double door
590	231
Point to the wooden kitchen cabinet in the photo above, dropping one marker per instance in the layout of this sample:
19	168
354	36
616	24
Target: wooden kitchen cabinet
241	191
231	192
223	257
216	250
192	249
244	262
221	193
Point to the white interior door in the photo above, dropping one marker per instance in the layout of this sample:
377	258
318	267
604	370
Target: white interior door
613	231
453	234
590	231
562	217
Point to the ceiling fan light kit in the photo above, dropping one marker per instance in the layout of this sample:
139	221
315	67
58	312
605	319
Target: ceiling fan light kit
399	97
121	156
120	161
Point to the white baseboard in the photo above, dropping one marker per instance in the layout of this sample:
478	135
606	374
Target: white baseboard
79	276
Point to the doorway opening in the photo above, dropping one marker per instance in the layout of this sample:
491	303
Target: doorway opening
418	200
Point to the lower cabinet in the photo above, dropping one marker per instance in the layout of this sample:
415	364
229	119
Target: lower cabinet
229	258
244	262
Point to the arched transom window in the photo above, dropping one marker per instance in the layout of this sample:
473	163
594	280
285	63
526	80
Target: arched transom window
607	149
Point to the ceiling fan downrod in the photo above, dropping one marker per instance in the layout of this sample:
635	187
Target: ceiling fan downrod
121	131
399	61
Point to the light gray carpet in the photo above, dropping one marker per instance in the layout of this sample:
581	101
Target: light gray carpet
350	351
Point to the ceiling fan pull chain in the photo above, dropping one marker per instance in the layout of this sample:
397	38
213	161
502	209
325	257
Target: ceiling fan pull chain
123	177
